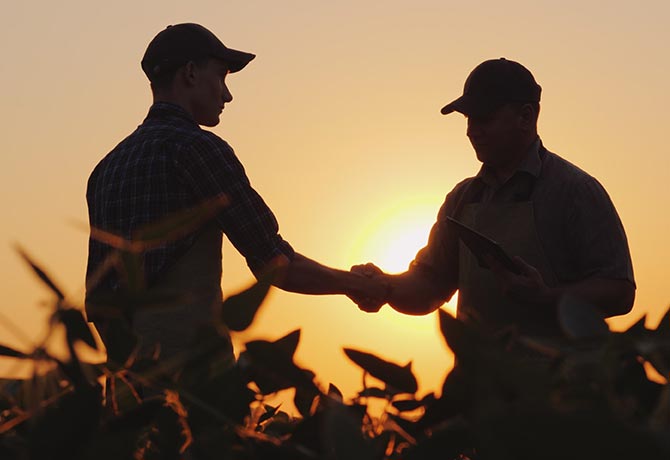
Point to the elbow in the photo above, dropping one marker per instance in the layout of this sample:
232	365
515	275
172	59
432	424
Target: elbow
417	307
622	302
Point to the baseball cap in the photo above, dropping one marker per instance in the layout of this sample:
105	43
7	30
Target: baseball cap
491	85
177	44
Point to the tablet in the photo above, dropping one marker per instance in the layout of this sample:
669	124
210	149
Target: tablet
480	246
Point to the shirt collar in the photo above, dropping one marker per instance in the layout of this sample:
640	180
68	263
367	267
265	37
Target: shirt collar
169	110
531	164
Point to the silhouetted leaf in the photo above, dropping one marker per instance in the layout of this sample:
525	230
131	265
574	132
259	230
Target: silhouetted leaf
405	405
455	333
272	365
400	377
374	392
268	414
580	319
638	327
303	400
41	274
238	311
663	327
76	326
335	393
10	352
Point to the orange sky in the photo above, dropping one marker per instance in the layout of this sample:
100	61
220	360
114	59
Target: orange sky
337	122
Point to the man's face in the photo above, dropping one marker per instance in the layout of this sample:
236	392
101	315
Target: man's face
497	136
210	92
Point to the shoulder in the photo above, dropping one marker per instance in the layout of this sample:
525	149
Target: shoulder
209	150
571	181
455	197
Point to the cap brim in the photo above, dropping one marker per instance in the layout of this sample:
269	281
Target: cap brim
463	104
468	106
236	60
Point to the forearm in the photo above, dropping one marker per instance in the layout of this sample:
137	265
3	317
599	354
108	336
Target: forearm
414	294
306	276
612	297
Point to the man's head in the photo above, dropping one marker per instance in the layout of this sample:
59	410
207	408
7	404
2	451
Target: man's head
187	64
501	100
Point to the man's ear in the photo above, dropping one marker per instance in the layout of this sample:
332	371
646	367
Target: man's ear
189	73
528	116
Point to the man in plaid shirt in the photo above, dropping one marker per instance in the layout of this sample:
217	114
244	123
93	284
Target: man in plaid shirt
169	165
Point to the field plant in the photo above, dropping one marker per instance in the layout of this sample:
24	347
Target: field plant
585	396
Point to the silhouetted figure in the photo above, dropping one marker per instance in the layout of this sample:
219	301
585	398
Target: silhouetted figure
170	164
555	218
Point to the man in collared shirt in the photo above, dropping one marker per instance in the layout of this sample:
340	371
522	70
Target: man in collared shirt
169	165
555	219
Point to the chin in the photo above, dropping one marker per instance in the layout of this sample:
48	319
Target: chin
210	123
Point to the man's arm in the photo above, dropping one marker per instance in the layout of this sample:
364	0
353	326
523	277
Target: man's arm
612	296
306	276
412	293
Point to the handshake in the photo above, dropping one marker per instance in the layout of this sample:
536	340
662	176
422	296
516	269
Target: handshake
375	290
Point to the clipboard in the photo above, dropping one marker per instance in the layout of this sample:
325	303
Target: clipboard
481	245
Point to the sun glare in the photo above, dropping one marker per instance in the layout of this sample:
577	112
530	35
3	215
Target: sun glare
392	239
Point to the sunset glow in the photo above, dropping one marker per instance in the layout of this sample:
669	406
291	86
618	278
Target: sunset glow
337	124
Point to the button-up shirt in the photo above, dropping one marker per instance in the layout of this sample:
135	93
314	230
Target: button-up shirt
577	223
169	164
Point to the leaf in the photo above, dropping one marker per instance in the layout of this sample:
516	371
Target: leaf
374	392
663	328
272	365
580	319
12	353
40	273
76	326
638	327
405	405
238	311
400	377
455	333
268	414
335	393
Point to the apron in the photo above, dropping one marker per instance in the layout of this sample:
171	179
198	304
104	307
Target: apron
480	297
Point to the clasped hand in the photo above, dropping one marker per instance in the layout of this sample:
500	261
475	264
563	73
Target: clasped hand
379	285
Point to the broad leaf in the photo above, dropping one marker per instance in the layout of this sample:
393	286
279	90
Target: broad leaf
238	311
272	366
400	377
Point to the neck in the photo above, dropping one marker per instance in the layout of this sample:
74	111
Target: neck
506	170
173	97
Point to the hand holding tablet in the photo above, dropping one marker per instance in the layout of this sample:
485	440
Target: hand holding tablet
482	246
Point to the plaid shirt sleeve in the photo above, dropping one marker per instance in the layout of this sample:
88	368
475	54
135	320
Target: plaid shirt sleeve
208	168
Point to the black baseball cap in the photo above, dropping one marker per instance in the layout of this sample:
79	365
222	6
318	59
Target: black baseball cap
178	44
491	85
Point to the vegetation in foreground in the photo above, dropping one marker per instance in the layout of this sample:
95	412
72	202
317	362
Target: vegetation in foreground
586	396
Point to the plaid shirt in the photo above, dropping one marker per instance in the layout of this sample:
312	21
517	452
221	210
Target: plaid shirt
167	165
